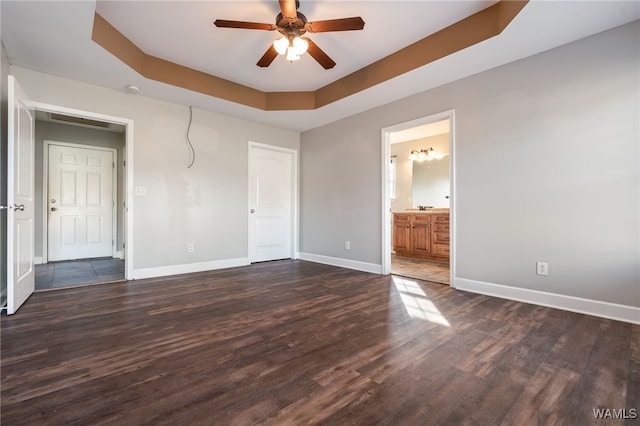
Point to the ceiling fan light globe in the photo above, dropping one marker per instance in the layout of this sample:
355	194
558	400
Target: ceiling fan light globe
292	55
300	45
281	45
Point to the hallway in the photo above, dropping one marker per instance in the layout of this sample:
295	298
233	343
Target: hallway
73	273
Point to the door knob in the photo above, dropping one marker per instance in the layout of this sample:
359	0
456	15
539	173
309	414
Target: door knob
53	209
19	207
253	210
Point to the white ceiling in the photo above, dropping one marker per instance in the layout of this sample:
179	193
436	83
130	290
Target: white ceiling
419	132
54	37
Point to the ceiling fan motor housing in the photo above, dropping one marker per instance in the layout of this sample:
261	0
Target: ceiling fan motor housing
291	27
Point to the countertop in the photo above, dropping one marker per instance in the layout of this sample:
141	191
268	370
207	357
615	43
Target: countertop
427	211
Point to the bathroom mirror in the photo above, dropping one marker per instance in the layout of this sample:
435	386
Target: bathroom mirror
420	183
430	183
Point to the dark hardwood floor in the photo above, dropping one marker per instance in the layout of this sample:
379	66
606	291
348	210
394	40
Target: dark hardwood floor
293	342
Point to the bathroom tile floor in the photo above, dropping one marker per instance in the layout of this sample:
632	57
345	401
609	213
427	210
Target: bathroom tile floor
420	269
78	272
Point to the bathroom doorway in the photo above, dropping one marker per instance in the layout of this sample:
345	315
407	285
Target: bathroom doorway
418	199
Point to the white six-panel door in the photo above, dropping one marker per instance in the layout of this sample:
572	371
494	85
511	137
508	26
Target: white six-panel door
270	204
80	203
20	197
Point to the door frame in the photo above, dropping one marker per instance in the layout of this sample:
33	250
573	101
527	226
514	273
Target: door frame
294	193
128	171
45	187
386	190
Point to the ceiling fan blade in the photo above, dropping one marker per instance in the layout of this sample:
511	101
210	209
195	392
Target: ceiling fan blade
268	57
344	24
319	55
288	8
223	23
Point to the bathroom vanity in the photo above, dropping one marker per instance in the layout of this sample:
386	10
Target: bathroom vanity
422	234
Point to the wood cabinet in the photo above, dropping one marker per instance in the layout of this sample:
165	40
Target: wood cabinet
440	235
421	235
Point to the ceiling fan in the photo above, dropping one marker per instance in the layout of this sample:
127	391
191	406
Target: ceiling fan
292	25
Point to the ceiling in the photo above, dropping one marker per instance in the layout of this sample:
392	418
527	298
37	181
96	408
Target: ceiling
423	131
54	37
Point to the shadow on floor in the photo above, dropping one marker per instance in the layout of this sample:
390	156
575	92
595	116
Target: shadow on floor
420	269
78	272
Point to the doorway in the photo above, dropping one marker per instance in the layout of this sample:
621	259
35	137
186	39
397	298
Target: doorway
418	210
82	198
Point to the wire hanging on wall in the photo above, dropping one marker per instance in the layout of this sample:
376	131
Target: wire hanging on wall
192	151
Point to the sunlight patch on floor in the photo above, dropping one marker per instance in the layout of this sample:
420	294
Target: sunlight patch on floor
416	302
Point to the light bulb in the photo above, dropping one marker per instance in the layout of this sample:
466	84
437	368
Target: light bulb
300	45
281	45
292	55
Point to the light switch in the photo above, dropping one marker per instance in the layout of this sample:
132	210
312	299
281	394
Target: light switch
140	191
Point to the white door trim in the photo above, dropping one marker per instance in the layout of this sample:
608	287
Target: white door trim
128	170
294	190
45	186
386	190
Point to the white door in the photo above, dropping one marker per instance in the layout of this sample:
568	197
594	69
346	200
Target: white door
80	203
270	204
20	214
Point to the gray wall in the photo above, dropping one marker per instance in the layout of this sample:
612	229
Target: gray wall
206	205
81	135
547	168
4	73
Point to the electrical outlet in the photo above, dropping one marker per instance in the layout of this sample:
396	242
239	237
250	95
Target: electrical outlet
542	268
347	245
189	248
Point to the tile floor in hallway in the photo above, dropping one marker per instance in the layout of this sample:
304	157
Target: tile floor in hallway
420	269
78	272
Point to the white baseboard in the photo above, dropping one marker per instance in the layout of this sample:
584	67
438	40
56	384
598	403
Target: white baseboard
343	263
38	260
568	303
163	271
119	255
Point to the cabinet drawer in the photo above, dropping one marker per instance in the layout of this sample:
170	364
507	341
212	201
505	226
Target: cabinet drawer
441	218
441	227
441	237
440	250
422	218
400	217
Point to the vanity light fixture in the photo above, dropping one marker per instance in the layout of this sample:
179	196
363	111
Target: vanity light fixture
425	154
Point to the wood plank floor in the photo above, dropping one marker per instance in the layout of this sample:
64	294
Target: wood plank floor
299	343
419	269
